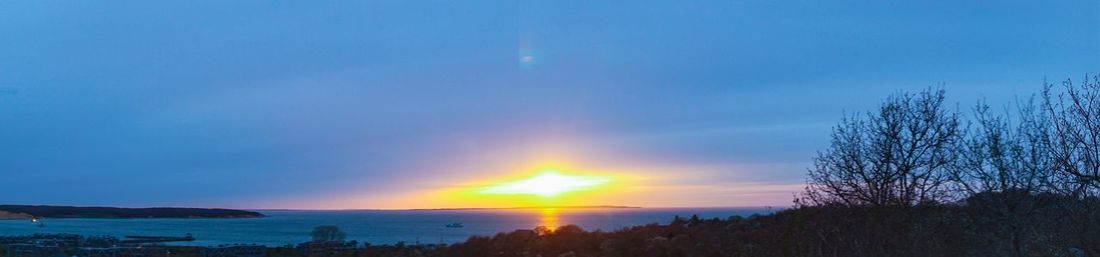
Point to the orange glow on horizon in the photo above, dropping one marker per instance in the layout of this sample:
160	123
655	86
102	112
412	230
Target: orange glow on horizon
548	183
544	185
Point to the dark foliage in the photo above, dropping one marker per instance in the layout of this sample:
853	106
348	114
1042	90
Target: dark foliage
966	228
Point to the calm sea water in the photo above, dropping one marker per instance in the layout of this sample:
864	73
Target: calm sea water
374	226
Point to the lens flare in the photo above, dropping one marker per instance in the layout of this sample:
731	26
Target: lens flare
528	59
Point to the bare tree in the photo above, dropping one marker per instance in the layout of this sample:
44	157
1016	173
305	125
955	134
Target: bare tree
1074	116
1075	132
1000	155
896	157
1002	164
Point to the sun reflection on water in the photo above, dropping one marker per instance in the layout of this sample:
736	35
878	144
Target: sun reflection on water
548	219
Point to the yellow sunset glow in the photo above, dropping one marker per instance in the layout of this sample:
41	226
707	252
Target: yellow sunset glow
548	183
542	185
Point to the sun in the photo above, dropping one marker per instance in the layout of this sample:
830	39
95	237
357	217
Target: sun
542	185
548	183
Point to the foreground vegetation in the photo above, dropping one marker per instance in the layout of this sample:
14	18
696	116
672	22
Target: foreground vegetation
970	228
974	227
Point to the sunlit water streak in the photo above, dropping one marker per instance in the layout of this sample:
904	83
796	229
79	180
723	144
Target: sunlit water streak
376	227
549	218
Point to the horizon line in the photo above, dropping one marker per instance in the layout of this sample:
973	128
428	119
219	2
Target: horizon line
517	208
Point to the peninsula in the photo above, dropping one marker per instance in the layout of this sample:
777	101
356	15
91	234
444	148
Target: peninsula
45	211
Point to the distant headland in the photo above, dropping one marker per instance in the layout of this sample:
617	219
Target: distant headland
45	211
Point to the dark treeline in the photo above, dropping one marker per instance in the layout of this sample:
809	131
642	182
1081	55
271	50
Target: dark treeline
924	179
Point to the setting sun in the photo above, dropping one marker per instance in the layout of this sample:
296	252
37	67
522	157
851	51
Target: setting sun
542	184
548	183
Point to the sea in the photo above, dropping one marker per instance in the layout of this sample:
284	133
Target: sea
283	227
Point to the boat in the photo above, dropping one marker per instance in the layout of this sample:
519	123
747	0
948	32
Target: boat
455	225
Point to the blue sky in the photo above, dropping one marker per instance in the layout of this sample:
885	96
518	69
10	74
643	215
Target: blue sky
348	104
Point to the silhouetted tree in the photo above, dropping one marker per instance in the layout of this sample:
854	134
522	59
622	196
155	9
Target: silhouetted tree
1074	114
1002	166
897	156
998	155
1075	138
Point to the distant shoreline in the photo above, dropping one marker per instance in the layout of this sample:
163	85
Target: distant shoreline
74	212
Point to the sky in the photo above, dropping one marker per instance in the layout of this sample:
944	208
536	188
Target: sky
398	104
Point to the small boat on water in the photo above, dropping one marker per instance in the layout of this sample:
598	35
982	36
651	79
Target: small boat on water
455	225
